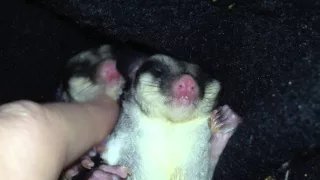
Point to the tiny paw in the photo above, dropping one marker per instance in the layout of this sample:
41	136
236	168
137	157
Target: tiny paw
224	120
105	172
87	162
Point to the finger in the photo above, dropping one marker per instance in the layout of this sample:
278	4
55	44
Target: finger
83	125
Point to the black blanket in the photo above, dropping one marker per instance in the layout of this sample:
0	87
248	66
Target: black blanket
265	53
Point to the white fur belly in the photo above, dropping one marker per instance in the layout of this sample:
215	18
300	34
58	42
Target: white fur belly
163	150
167	149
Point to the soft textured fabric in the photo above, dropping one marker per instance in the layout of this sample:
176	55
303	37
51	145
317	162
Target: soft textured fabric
265	53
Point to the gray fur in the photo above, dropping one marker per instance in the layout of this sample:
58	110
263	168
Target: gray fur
129	157
129	131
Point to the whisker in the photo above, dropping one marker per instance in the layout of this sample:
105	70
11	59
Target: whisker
87	87
149	81
150	92
147	84
151	85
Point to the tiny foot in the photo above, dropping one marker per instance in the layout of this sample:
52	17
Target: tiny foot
87	162
224	120
105	172
223	123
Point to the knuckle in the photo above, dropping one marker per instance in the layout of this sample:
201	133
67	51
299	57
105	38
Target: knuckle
23	110
22	107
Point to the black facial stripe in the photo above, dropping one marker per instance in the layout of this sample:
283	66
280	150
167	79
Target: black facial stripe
182	66
156	69
84	68
166	84
147	66
83	64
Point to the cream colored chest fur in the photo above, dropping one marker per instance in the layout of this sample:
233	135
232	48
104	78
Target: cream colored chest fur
167	148
164	150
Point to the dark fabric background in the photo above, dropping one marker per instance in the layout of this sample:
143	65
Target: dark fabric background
265	53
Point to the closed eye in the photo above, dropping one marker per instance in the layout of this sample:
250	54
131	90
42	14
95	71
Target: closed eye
158	70
155	68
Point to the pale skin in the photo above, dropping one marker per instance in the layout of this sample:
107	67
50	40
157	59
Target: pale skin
37	141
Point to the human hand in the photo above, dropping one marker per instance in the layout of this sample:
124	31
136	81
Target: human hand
38	141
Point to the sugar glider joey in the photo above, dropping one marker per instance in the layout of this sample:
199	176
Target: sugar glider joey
168	128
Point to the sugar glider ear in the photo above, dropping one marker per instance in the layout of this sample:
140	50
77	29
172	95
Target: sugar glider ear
128	62
134	68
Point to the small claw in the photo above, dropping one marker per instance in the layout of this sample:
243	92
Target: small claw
214	126
225	113
213	121
214	114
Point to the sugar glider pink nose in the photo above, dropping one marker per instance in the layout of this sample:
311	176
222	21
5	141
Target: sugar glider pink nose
185	89
108	71
186	83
